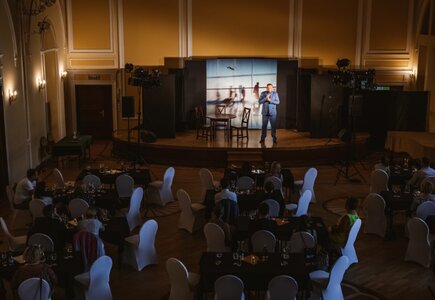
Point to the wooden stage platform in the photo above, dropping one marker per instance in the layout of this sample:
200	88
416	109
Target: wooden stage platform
293	149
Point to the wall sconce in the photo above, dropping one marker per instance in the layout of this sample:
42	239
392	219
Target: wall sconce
41	84
64	74
413	75
12	96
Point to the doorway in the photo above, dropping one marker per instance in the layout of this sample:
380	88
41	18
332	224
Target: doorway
94	110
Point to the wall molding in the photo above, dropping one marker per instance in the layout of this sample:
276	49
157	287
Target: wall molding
121	44
189	28
12	28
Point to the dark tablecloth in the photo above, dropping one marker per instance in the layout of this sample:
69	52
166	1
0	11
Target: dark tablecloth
70	146
140	176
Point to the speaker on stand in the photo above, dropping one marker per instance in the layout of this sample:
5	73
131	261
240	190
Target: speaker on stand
128	112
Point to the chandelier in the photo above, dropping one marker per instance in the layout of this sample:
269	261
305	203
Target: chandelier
38	6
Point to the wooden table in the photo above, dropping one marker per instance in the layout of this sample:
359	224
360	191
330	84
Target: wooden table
223	118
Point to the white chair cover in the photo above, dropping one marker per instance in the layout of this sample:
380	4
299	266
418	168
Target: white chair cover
375	221
277	183
21	217
34	289
36	206
42	240
133	215
282	287
95	283
58	178
304	203
245	183
379	181
300	241
141	250
13	242
419	249
229	287
273	207
10	195
425	209
160	192
189	212
78	207
207	181
309	181
349	248
215	237
182	282
124	185
92	179
261	239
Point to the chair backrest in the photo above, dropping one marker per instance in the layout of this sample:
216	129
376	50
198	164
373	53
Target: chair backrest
349	248
245	117
87	244
277	184
78	207
228	287
300	241
178	276
333	289
168	177
43	240
374	206
36	207
215	237
379	181
430	179
220	109
10	195
263	240
282	287
147	234
184	201
245	183
99	276
425	209
133	214
418	231
206	178
92	179
199	116
273	207
303	204
58	178
309	179
124	185
34	289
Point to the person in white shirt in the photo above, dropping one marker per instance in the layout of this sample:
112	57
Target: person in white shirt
424	172
225	193
24	190
91	223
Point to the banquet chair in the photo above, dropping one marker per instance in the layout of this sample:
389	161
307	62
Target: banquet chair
419	247
58	178
21	217
90	247
202	128
92	179
378	181
192	214
302	206
229	287
425	209
133	216
95	283
330	283
124	185
245	183
349	247
34	289
207	182
242	130
375	221
36	206
14	243
300	241
273	207
308	183
141	251
431	179
215	237
160	192
43	240
277	184
263	240
78	207
282	287
182	282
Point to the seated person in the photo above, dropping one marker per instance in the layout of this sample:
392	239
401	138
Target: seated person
34	267
263	222
217	218
424	172
383	164
271	193
225	193
24	190
340	231
40	193
426	195
50	226
61	212
275	170
246	169
91	222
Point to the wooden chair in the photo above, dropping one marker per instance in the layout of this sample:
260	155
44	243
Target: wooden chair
202	128
219	110
242	130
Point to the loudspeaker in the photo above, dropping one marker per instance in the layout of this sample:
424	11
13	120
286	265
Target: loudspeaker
128	107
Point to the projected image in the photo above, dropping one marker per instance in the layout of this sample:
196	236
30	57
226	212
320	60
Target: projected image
238	83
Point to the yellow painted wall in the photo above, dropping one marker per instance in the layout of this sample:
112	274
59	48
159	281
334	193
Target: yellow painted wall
150	31
240	28
329	30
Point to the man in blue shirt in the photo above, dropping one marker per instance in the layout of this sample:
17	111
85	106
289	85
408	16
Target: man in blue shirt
269	98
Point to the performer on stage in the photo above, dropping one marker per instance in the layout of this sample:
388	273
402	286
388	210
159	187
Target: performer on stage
269	98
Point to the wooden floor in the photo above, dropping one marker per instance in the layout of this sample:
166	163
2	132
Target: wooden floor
381	267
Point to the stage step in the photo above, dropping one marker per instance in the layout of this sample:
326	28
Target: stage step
241	156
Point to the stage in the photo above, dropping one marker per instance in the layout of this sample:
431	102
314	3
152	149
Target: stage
293	149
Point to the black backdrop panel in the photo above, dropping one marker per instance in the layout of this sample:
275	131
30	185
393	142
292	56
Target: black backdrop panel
303	101
286	87
128	107
159	107
195	85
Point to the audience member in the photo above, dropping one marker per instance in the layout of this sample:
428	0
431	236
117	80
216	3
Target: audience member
217	218
24	190
91	222
225	193
424	172
263	222
340	231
